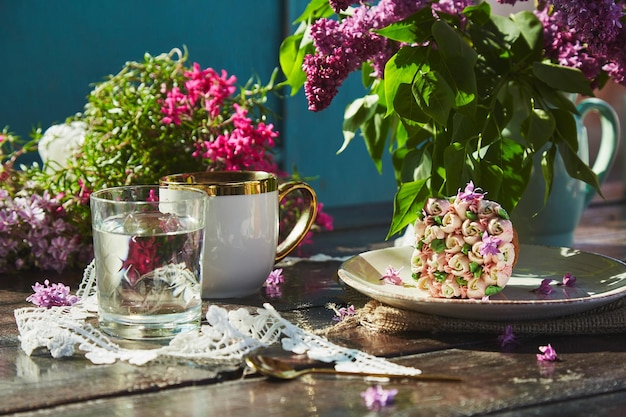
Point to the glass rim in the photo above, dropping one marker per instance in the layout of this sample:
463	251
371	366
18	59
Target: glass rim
119	191
218	183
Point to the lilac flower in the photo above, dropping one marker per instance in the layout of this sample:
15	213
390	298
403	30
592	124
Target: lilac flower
342	47
377	397
545	287
392	276
272	283
55	295
548	354
275	278
569	280
344	312
507	338
470	193
490	245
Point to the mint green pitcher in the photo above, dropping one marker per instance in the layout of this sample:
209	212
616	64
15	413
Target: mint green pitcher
554	223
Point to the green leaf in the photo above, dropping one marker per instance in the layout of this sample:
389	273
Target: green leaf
407	108
413	29
454	162
357	113
417	165
479	13
375	131
566	128
567	79
457	60
402	69
547	170
538	128
531	30
576	168
408	202
434	96
291	56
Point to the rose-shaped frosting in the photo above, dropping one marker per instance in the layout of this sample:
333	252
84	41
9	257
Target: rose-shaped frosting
463	246
436	206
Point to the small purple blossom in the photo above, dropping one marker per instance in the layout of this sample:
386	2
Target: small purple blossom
545	287
55	295
275	278
569	280
377	397
392	276
272	283
548	354
490	245
507	338
344	312
470	193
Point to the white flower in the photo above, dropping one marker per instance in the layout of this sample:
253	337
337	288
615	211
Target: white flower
58	144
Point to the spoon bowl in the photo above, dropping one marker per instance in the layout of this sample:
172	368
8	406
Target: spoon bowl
281	369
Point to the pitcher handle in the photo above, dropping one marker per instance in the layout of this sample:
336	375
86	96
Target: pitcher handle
304	222
609	139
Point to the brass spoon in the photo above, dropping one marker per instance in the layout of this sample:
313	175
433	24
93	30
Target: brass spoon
281	369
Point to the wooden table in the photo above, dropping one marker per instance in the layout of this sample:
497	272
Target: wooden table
590	379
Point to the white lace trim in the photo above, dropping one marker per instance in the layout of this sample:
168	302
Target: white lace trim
228	337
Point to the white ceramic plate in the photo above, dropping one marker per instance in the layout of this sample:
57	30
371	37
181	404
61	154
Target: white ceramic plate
599	280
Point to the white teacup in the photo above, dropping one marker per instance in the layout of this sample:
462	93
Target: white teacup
241	227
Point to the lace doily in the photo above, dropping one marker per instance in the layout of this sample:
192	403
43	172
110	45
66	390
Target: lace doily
228	337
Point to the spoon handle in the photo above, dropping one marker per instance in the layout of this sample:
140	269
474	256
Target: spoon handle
423	377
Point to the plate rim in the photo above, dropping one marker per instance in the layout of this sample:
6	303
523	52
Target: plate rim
603	298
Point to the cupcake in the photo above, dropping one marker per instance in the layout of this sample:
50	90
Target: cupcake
465	246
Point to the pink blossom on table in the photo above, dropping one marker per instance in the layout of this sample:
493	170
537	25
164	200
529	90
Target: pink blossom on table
344	312
544	288
376	397
275	278
490	245
392	276
508	338
55	295
548	354
569	280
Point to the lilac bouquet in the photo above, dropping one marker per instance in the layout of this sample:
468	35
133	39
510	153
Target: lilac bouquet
155	117
445	79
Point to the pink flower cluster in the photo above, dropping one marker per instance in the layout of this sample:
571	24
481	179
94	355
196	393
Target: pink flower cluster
55	295
231	140
463	246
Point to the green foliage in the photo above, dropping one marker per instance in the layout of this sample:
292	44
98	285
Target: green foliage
473	101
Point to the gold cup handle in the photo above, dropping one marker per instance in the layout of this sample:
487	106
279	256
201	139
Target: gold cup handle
304	222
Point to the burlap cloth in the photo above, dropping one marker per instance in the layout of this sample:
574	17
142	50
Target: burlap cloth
378	317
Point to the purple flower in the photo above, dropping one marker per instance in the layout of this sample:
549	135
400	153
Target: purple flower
344	312
545	287
548	354
490	245
392	276
377	397
470	194
275	278
507	338
55	295
569	280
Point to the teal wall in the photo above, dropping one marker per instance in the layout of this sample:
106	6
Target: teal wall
52	51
